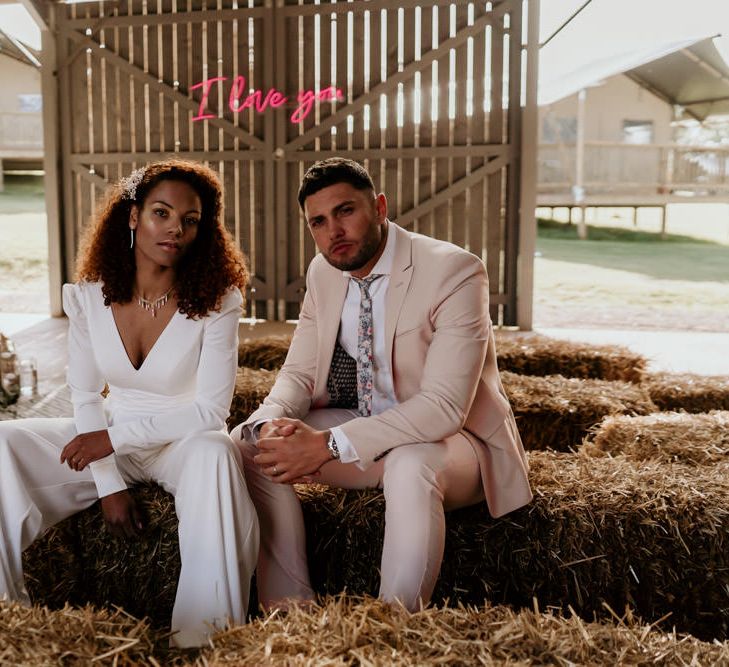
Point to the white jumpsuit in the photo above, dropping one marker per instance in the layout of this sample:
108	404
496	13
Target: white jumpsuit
166	422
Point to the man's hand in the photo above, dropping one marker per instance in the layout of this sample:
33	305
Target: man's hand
291	451
86	448
120	514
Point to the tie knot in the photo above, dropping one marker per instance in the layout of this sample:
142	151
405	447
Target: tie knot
364	283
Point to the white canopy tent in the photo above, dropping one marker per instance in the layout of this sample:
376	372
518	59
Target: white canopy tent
608	37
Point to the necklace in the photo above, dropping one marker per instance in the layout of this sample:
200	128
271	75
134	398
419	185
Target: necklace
154	304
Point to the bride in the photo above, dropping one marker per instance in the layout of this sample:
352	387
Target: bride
154	315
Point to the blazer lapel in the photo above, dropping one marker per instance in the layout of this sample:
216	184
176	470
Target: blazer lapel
402	271
332	293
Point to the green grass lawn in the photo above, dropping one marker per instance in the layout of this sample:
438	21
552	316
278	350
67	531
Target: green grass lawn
674	258
621	278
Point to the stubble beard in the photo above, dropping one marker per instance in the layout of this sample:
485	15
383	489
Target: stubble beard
370	246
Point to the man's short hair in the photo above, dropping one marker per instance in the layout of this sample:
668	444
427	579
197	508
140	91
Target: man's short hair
331	171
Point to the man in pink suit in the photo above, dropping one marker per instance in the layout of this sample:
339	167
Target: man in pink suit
390	382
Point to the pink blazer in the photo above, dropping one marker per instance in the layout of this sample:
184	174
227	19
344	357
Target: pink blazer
440	341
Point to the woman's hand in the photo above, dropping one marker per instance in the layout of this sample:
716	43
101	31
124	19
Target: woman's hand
86	448
120	514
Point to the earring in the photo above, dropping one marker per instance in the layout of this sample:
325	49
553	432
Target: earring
131	232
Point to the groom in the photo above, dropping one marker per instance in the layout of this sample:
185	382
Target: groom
390	382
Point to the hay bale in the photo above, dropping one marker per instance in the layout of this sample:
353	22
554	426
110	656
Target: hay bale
541	355
352	631
599	530
139	575
268	352
655	537
39	636
251	387
701	439
685	391
554	412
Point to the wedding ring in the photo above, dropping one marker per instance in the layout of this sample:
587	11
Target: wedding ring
275	470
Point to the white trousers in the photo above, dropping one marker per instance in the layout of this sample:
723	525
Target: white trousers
218	527
419	482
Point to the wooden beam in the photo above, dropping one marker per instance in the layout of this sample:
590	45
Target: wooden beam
528	190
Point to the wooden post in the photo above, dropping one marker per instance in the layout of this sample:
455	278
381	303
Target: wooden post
528	192
663	221
52	173
578	190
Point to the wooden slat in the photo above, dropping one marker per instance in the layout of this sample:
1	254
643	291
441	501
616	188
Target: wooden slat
460	125
443	175
476	218
494	183
511	228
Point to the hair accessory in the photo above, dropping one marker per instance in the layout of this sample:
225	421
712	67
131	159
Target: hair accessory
131	243
154	304
129	183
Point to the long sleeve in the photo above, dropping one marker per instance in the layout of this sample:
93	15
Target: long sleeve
86	384
215	383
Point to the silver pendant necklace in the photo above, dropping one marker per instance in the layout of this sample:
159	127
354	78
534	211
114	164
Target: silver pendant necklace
154	305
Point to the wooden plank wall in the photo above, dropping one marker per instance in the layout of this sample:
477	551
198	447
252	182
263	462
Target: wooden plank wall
430	104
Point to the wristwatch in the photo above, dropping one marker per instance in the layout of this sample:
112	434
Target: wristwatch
332	446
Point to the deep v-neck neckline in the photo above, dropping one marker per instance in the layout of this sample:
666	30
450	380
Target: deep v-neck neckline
151	349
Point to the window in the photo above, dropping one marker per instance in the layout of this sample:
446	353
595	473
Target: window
30	103
559	130
637	131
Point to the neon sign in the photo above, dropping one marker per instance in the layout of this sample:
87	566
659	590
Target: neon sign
239	98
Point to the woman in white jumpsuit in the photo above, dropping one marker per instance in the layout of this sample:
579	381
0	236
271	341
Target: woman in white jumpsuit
158	323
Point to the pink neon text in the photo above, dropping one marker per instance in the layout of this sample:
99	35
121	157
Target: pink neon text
239	98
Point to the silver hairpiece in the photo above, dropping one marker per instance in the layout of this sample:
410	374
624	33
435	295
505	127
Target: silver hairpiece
129	183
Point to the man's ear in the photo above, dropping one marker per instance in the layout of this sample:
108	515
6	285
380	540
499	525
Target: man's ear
133	217
381	206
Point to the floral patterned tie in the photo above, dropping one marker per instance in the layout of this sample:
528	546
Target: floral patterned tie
365	371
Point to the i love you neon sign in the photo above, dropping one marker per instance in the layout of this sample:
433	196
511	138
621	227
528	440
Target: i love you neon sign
240	98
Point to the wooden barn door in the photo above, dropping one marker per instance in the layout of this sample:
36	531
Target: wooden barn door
429	102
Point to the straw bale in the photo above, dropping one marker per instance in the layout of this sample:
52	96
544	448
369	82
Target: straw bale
654	537
688	392
665	436
353	631
139	575
554	412
38	636
52	566
267	352
541	355
251	387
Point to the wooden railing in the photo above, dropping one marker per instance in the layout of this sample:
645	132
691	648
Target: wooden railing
635	169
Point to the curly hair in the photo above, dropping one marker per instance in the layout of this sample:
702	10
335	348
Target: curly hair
212	265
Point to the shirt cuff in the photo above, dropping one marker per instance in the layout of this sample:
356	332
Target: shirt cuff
347	452
249	432
106	476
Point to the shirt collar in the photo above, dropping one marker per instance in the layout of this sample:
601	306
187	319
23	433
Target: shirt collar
384	264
